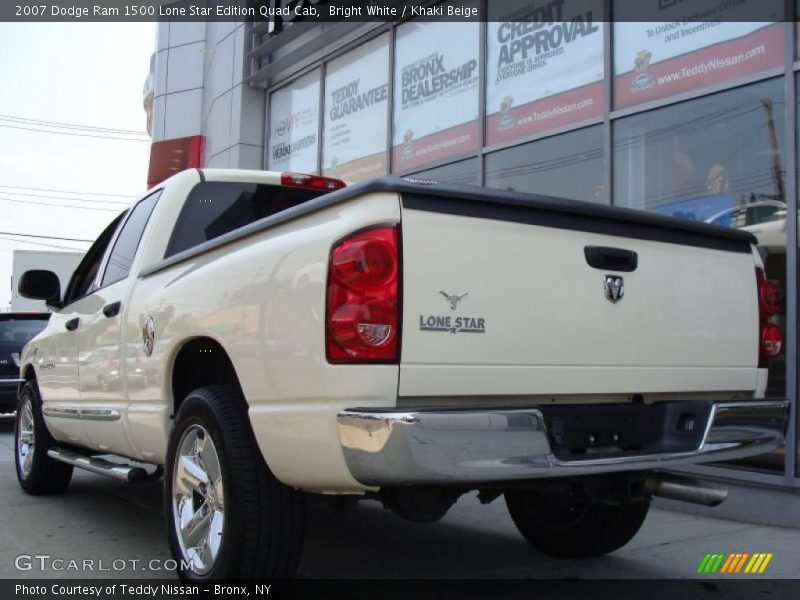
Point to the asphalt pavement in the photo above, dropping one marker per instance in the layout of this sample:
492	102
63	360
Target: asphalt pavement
101	519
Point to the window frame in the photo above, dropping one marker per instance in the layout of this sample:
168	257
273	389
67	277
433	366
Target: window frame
96	254
101	273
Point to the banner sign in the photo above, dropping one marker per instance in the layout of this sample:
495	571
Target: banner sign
544	67
356	104
436	92
654	60
700	209
293	126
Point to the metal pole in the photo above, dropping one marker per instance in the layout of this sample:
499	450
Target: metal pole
791	291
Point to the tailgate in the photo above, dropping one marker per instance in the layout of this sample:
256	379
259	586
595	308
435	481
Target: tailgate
499	298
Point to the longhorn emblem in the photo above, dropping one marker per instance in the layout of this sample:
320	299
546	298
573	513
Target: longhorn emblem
148	335
614	288
453	299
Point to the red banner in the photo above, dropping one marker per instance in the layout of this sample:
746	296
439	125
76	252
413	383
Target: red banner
545	114
752	53
359	169
434	147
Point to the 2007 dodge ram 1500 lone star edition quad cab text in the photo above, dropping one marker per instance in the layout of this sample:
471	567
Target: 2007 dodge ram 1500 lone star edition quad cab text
260	336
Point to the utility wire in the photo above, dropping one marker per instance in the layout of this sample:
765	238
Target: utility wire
33	202
91	200
19	187
70	125
102	137
42	244
46	237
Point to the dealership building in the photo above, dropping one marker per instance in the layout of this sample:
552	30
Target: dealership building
694	119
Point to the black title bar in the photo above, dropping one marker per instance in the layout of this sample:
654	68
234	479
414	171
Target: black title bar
281	12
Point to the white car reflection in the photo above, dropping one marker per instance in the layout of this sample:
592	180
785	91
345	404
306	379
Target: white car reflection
765	219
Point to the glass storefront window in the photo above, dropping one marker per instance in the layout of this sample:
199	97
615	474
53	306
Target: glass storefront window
718	159
294	126
654	60
569	165
356	97
544	66
703	158
463	171
436	92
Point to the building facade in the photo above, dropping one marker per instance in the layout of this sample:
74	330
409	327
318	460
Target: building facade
697	119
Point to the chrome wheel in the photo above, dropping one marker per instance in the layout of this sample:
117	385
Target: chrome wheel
26	438
198	508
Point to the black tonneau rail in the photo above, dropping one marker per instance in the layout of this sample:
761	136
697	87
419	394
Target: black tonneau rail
447	193
480	202
602	222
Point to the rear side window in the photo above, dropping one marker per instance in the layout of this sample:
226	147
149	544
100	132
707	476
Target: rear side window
21	331
121	259
214	208
86	273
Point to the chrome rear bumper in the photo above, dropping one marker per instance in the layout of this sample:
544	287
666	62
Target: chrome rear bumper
392	447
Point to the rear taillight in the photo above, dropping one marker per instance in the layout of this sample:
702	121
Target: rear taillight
771	341
311	182
362	308
769	304
769	295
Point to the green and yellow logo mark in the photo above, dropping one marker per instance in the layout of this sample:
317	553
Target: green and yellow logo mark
737	562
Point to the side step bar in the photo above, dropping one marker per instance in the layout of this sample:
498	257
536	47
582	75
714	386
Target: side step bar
98	465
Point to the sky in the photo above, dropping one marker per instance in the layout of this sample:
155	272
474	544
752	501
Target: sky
81	74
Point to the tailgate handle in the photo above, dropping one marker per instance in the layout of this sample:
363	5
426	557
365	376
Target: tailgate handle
611	259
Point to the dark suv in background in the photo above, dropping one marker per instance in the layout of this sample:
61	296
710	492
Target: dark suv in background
16	329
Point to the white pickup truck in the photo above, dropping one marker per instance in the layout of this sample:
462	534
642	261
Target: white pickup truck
259	336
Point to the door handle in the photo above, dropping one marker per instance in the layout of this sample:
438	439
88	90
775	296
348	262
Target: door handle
112	310
72	324
611	259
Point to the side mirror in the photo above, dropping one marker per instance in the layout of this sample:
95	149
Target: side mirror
40	285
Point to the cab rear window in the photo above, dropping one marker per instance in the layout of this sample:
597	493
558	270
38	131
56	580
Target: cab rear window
214	208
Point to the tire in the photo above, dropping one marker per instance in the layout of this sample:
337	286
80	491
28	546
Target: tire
258	521
560	526
37	473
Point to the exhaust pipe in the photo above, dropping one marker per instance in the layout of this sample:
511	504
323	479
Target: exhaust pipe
686	489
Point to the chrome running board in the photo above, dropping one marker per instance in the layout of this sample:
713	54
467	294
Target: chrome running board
98	465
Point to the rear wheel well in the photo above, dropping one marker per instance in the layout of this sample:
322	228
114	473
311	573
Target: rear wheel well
200	362
29	373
